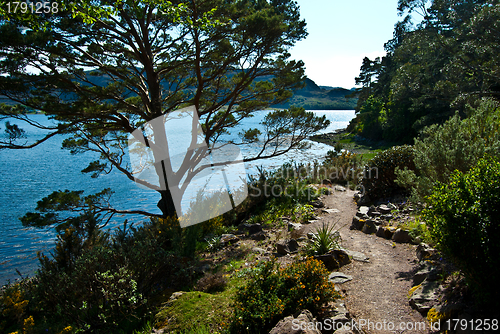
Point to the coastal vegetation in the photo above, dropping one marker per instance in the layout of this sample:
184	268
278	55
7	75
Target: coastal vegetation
427	126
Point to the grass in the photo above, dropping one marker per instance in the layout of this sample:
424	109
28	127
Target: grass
367	149
200	312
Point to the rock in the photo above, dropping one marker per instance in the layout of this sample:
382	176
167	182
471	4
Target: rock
259	250
294	226
384	209
339	278
424	296
317	204
425	251
339	188
311	221
401	236
259	236
174	296
385	231
375	214
387	216
303	323
227	239
357	256
363	210
392	206
334	259
330	210
254	228
289	247
357	223
310	235
326	181
369	227
380	232
427	272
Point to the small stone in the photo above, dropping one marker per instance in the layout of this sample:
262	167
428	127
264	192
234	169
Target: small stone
330	210
363	210
357	256
339	278
259	236
294	226
317	204
339	188
227	239
384	209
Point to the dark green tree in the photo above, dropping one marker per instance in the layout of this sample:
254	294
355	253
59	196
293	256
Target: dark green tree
103	69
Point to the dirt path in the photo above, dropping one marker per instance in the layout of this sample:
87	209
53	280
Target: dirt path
377	295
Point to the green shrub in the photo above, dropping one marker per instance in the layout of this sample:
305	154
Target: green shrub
379	174
458	144
273	293
464	218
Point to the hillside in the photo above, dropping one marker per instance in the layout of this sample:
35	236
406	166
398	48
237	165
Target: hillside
310	97
314	97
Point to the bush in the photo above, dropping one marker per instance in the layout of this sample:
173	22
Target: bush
273	293
464	218
379	175
211	283
456	145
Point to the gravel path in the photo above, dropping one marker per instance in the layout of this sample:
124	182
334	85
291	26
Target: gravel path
377	296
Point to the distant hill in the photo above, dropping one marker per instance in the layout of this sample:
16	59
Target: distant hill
310	97
314	97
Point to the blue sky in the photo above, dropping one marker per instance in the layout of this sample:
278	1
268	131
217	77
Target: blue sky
341	34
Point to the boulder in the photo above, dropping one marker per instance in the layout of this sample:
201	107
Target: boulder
369	227
288	247
424	296
334	259
254	228
402	236
427	272
303	323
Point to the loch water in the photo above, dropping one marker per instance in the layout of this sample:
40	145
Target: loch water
31	174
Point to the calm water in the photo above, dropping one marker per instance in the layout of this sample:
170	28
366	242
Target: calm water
29	175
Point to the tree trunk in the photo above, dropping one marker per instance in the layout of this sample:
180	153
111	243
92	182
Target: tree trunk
166	204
